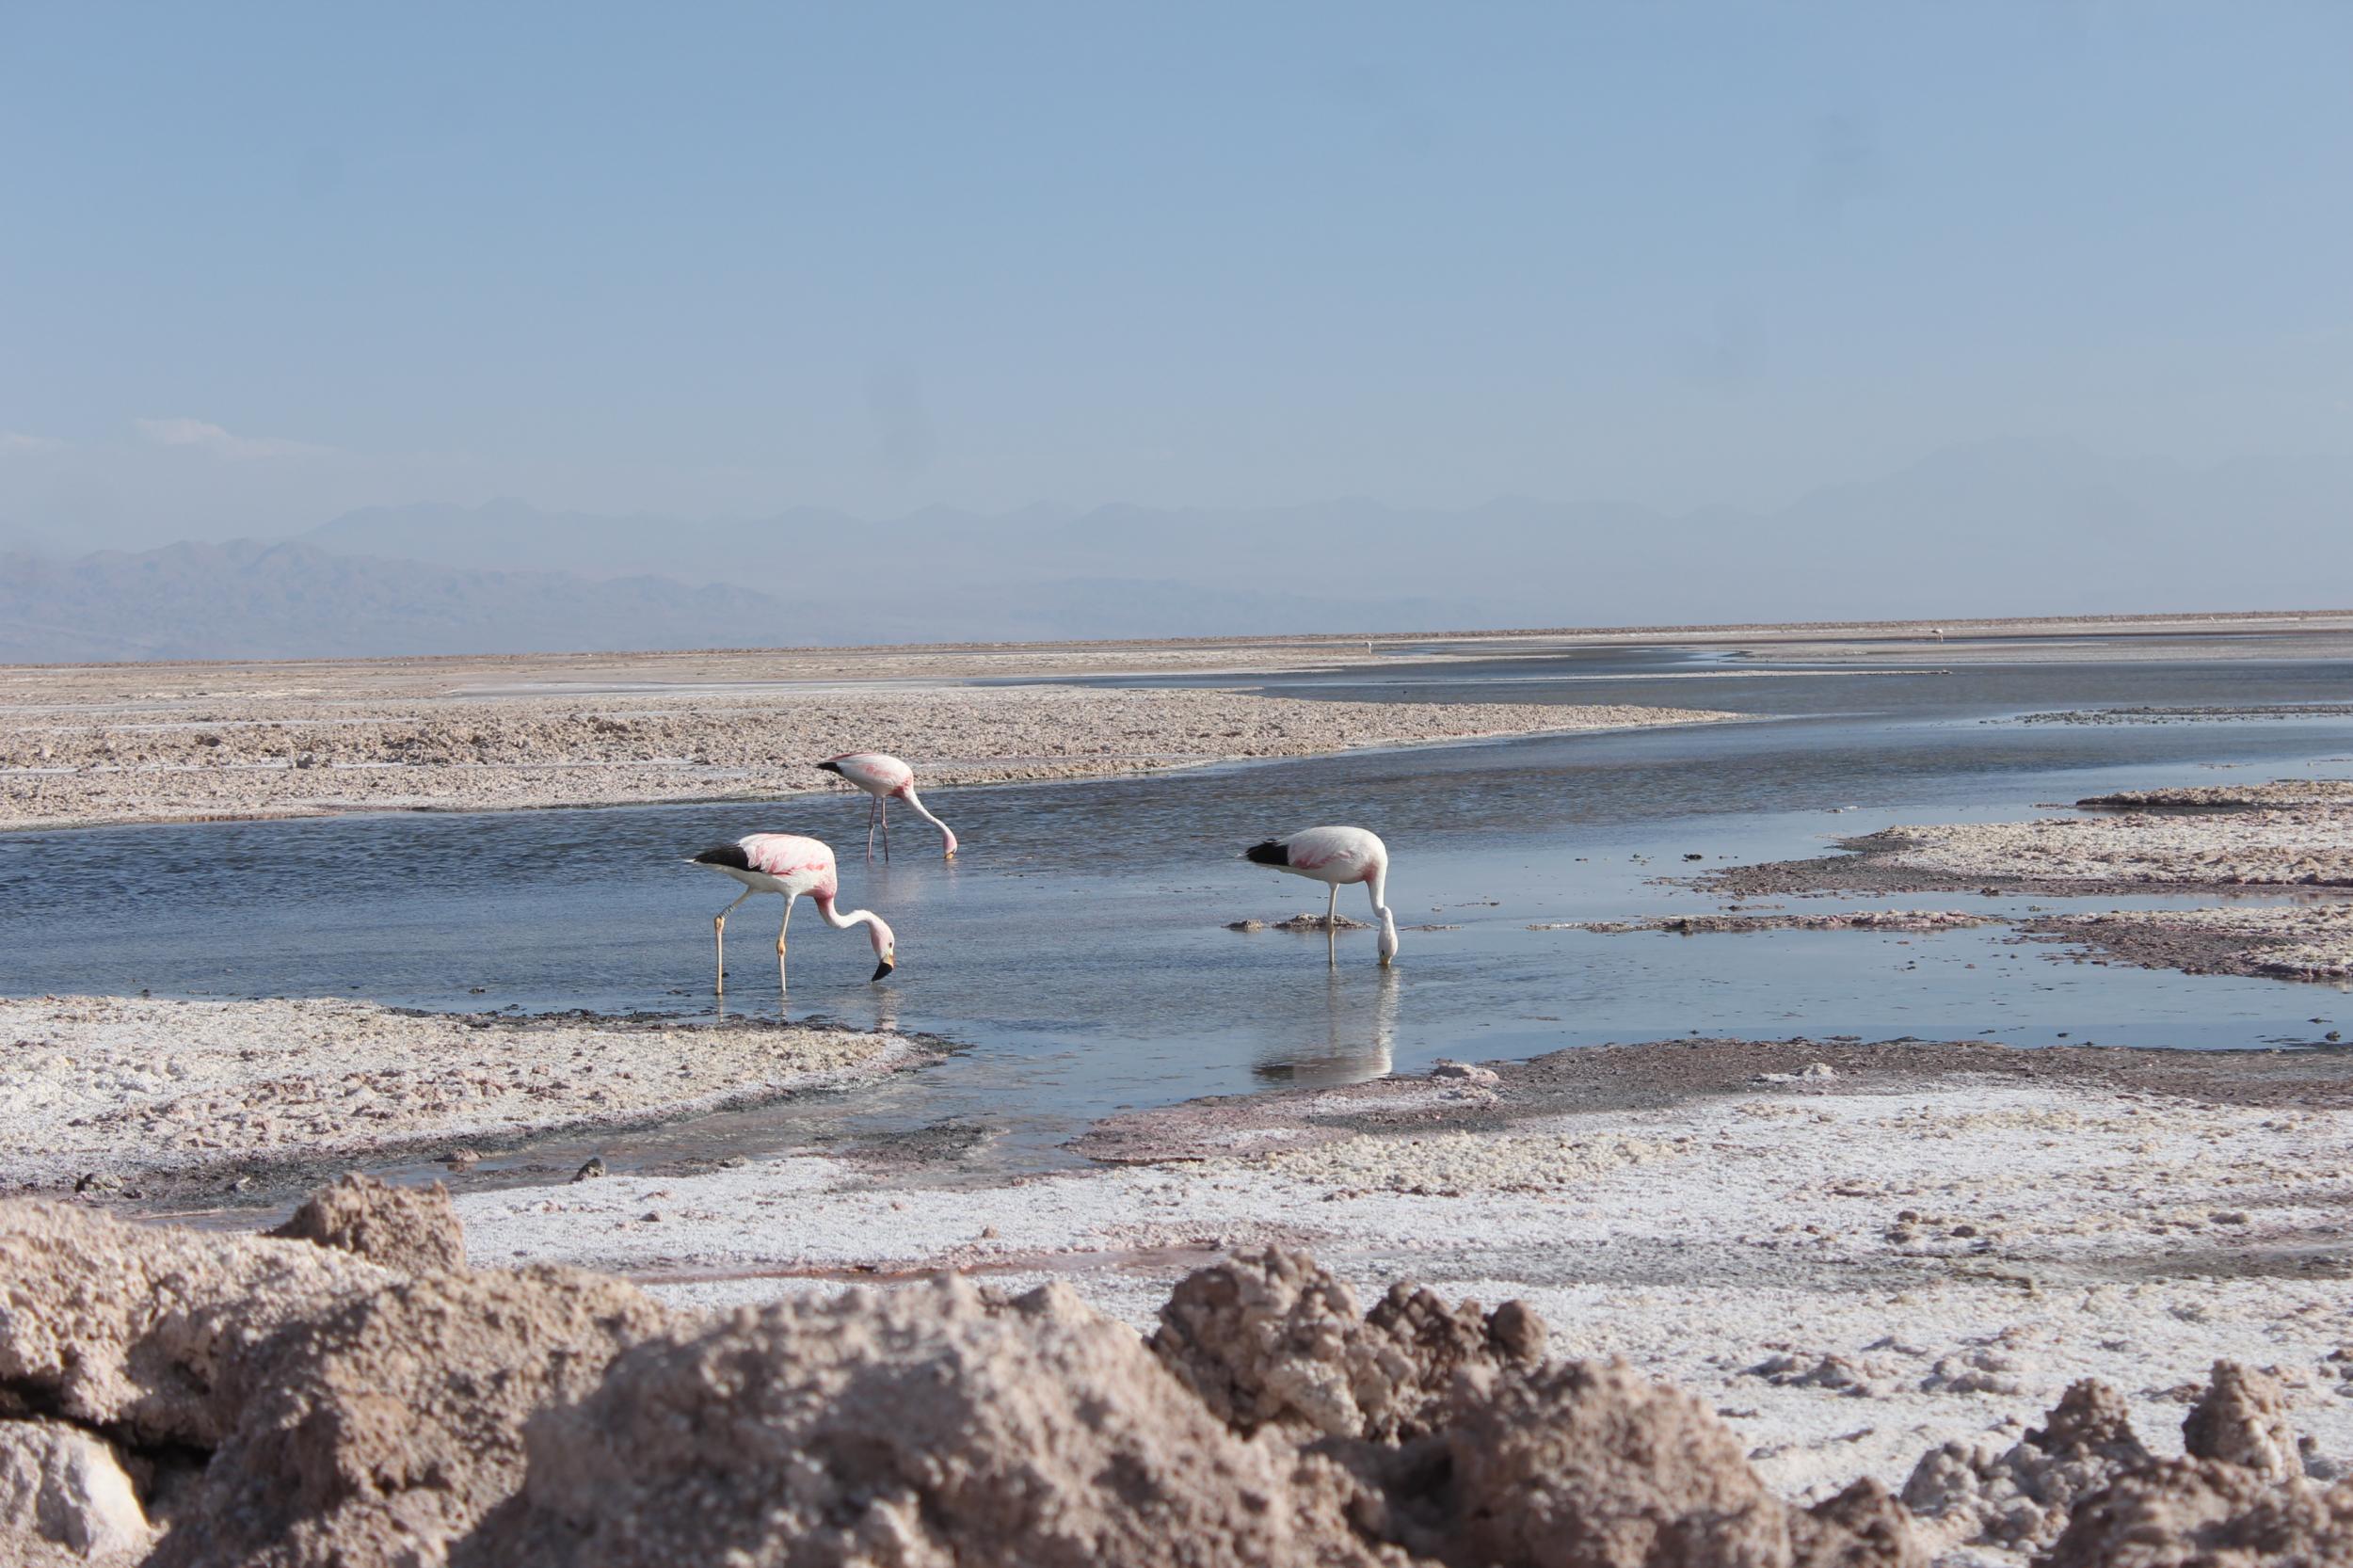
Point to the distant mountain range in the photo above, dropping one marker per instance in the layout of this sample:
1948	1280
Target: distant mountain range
250	599
2001	528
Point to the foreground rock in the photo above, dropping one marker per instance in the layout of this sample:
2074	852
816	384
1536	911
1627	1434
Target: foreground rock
293	1403
1275	1341
360	1399
66	1497
287	1402
943	1424
2087	1488
412	1228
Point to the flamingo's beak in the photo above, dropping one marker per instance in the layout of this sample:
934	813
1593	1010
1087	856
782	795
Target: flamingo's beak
881	970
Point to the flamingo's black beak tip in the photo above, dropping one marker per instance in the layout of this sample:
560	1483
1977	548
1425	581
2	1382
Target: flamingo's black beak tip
882	971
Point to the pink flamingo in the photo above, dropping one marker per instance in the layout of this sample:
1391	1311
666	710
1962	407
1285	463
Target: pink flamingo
1337	856
886	779
789	864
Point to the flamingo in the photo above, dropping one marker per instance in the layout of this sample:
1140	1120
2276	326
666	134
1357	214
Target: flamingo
1337	856
886	779
789	864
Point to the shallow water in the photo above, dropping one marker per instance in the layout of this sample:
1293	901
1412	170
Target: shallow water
1077	949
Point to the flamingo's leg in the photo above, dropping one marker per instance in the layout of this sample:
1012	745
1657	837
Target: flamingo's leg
789	903
719	935
1332	910
871	801
886	817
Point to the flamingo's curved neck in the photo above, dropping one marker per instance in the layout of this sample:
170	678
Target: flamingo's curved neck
834	918
1378	887
914	802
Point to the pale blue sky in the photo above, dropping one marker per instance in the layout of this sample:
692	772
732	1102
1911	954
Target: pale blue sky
261	264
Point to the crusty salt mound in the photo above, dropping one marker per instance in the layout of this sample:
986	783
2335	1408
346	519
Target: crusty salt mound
2087	1488
1273	1341
132	1331
2021	1497
1588	1464
414	1228
941	1425
289	1403
65	1497
181	1400
2242	1419
357	1398
2238	1500
1468	1448
2207	1514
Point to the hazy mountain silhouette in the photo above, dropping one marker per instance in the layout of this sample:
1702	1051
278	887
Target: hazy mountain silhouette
251	599
2013	526
2010	527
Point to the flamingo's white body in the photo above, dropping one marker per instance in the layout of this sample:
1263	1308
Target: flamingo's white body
1339	856
797	868
886	779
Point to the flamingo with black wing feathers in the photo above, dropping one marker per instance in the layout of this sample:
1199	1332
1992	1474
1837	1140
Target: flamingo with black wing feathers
886	779
1338	856
797	868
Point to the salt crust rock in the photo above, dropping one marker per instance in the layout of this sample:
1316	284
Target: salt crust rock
2238	1500
133	1328
2205	1513
344	1413
64	1491
2021	1497
941	1425
316	1409
2242	1419
1273	1339
412	1228
297	1405
1589	1465
2086	1486
381	1431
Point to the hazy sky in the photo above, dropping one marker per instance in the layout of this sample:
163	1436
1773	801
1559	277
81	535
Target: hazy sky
261	264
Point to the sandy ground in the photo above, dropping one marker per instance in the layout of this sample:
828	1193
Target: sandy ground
289	753
1738	924
2191	715
86	744
2284	837
154	1098
2309	941
1853	1253
2141	851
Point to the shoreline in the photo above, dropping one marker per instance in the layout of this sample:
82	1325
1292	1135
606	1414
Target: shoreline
308	755
232	740
2286	838
1654	718
162	1100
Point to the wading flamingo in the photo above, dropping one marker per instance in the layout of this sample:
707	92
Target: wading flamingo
1337	856
789	864
886	779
